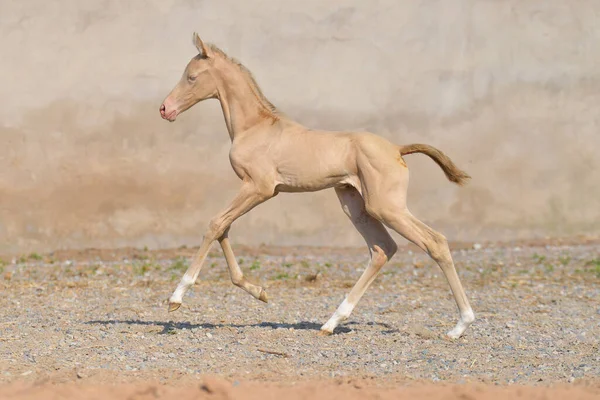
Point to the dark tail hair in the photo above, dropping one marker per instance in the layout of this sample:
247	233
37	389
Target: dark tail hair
453	173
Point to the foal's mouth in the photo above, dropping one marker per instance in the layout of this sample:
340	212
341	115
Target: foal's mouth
169	116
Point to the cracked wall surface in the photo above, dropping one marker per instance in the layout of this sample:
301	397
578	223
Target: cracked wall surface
510	90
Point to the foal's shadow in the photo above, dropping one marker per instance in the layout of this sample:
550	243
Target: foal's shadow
170	326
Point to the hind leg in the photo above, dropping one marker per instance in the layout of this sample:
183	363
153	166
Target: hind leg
381	247
384	179
436	245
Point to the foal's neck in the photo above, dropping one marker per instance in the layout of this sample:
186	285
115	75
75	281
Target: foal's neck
243	106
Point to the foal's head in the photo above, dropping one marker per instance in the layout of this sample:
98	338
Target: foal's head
196	84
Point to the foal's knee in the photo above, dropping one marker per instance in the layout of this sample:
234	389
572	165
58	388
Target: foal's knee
378	256
216	229
437	246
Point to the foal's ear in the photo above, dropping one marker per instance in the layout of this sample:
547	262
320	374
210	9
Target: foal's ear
202	49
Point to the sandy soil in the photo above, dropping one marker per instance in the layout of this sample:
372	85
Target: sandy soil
93	324
218	389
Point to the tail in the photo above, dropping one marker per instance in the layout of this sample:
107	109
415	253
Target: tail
453	173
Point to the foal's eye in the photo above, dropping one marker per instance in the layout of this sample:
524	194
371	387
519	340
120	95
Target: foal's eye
191	78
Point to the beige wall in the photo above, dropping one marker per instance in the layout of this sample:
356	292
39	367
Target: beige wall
509	89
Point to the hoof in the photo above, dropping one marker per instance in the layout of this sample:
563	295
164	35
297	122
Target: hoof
325	333
453	336
263	296
174	306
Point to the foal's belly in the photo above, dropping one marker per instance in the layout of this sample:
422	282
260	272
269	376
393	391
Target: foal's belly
313	161
302	187
310	181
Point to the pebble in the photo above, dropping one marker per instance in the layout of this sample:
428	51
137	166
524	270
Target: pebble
53	324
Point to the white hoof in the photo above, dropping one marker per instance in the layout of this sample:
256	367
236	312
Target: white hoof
329	327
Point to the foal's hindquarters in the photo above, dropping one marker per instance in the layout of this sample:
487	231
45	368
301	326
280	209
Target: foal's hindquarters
379	200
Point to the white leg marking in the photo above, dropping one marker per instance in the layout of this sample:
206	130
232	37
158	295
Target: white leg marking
342	313
466	319
184	285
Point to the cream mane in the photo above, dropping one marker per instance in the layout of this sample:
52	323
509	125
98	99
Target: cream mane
249	78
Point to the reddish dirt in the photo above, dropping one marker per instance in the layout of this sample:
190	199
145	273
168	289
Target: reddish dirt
211	388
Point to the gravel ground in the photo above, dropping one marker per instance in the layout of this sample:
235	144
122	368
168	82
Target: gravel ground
101	316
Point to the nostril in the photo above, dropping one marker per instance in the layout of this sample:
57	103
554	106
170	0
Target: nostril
162	108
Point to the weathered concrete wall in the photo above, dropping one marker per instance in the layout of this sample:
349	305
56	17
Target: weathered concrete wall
509	89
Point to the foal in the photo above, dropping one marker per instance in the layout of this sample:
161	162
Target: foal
271	153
